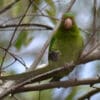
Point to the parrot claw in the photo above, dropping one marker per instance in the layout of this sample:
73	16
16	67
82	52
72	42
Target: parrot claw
67	65
70	63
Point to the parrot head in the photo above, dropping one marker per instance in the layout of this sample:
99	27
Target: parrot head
68	20
68	26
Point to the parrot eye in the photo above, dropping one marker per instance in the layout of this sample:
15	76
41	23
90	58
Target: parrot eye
68	23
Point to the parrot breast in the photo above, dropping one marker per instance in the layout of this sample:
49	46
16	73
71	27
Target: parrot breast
68	44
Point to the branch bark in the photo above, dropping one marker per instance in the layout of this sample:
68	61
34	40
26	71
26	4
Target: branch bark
64	84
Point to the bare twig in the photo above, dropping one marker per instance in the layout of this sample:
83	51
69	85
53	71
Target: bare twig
70	5
27	29
5	67
92	38
94	18
15	57
26	25
89	94
91	57
28	15
93	25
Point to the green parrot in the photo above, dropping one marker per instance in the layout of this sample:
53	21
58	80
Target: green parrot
65	47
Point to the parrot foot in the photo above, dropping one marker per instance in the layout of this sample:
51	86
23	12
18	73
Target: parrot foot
67	66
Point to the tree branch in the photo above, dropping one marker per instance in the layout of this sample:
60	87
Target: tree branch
89	94
64	84
26	25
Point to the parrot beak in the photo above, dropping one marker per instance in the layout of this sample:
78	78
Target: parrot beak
68	23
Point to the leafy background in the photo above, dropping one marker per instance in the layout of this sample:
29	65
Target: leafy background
29	40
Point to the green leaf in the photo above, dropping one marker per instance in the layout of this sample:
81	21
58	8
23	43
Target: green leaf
51	4
21	40
1	3
51	11
36	5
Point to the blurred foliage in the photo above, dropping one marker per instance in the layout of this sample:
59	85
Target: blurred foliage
1	3
22	39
